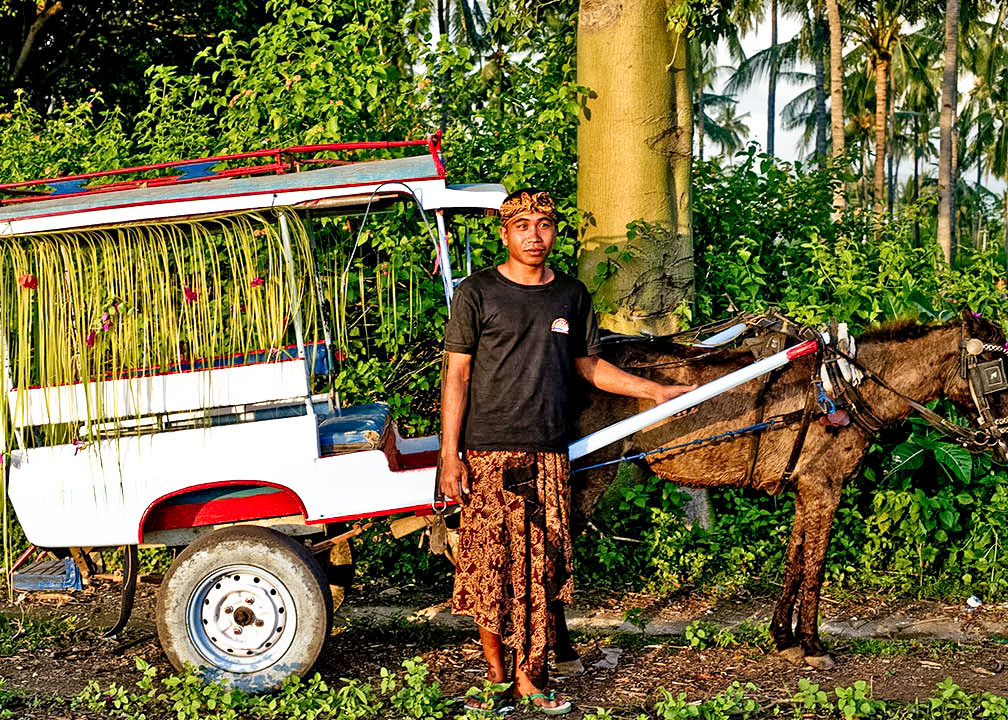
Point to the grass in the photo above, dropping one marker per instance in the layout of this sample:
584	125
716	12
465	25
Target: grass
19	633
401	630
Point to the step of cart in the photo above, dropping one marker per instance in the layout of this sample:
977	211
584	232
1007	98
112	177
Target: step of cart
48	575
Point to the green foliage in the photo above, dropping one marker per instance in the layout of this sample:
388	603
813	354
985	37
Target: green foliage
413	696
855	701
764	236
701	635
6	700
383	563
186	696
20	633
732	702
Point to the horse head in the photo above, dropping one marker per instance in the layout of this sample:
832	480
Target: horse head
980	384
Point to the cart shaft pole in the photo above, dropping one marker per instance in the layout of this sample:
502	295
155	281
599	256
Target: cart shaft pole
635	423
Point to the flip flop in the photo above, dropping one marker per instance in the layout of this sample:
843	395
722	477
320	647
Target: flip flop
497	705
561	709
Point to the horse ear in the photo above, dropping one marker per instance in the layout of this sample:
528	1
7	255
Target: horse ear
980	327
970	320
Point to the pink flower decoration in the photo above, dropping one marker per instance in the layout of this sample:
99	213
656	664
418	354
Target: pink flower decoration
29	282
190	295
339	356
89	340
257	281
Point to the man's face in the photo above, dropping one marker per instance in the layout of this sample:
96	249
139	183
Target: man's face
529	238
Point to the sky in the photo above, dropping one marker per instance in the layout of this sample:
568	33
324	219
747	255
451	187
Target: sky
787	143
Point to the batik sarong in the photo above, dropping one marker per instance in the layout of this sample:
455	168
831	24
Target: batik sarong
514	554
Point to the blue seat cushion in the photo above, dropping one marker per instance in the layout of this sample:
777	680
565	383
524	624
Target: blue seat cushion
356	426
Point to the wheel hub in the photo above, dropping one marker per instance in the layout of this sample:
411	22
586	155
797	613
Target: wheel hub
242	619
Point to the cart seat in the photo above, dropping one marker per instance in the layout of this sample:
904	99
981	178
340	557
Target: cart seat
359	427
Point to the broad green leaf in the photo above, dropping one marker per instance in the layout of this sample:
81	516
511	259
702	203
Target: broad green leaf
956	460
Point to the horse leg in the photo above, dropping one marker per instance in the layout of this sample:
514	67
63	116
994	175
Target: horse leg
819	522
781	624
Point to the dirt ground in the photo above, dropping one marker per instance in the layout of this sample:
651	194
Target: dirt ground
624	670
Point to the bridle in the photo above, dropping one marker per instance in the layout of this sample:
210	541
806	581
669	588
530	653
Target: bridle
983	378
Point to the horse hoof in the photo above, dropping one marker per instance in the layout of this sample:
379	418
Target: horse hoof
794	655
820	662
570	668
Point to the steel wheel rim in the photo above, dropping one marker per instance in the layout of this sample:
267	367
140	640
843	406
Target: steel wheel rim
241	618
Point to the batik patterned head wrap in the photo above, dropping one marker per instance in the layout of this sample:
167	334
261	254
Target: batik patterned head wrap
525	202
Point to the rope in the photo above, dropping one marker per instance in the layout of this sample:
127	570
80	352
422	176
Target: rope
726	435
824	400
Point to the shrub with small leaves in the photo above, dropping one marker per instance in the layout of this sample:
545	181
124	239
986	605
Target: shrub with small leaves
856	701
415	697
701	635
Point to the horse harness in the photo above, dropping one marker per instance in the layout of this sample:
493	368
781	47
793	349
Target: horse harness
983	378
834	386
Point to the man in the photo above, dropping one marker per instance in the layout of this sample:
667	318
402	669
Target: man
518	333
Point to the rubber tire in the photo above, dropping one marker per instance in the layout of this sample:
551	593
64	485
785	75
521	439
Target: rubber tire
256	547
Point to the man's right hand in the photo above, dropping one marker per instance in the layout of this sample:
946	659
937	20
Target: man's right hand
454	477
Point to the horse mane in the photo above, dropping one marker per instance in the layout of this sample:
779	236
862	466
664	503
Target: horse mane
900	329
625	347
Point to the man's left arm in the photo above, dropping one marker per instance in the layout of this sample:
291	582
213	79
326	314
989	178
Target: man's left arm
606	376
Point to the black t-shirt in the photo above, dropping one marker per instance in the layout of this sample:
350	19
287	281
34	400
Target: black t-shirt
523	340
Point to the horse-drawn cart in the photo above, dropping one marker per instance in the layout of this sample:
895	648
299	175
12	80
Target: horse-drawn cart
162	334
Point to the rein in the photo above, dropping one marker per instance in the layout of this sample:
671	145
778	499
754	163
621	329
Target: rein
778	421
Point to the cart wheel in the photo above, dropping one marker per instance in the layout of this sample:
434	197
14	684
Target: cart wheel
246	605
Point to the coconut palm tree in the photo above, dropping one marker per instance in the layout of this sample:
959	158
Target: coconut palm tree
836	88
729	129
879	27
705	74
949	99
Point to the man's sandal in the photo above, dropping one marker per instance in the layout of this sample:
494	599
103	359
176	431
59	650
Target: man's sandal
561	709
492	705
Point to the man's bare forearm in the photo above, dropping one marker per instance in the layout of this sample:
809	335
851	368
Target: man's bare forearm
606	376
454	399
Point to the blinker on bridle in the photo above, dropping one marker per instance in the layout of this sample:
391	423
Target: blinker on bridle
984	378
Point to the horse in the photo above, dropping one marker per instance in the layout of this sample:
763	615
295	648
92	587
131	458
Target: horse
913	361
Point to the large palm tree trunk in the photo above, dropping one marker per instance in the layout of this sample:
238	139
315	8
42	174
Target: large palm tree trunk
634	156
820	33
881	115
772	80
946	148
836	91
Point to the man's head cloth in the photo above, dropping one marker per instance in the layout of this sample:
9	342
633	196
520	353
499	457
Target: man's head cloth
525	202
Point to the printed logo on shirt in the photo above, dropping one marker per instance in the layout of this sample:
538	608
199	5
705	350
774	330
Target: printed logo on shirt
561	326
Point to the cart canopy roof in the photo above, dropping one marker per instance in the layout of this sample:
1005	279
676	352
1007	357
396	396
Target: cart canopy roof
287	179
